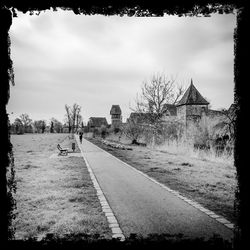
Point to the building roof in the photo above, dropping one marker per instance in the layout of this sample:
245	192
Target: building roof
115	109
170	109
192	96
140	117
213	113
97	121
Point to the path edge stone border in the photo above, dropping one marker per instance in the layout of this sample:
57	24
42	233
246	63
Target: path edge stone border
194	204
112	221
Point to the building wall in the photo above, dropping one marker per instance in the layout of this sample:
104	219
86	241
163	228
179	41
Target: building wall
181	113
196	116
214	113
196	110
203	122
116	121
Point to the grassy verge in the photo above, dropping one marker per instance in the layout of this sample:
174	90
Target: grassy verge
211	183
54	195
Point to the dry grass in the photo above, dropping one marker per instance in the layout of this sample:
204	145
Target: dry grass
54	195
117	138
187	149
210	182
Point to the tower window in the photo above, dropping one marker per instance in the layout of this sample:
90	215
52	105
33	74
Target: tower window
115	116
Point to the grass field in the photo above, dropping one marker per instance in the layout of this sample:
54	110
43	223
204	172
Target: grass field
209	181
54	193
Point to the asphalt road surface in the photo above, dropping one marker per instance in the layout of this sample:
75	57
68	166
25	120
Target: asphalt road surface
144	207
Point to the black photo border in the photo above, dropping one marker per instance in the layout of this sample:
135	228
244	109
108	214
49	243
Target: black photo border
139	8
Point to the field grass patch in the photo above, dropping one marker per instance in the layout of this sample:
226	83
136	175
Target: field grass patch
53	194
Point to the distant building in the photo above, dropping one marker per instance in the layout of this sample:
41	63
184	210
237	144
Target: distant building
191	109
139	117
96	122
116	116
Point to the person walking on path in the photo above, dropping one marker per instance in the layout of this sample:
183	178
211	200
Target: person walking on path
80	136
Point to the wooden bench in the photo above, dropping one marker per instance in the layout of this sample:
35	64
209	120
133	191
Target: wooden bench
62	151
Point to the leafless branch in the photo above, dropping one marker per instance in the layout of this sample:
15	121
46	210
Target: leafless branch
157	92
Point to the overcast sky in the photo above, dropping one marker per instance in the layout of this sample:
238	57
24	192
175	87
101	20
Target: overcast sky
61	58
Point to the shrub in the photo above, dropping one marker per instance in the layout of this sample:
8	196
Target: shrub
133	131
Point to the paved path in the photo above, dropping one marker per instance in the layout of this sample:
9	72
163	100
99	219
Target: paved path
142	206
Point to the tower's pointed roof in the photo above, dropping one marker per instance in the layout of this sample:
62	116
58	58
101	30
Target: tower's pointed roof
115	109
192	96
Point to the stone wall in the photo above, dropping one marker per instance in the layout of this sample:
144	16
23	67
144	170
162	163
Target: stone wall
116	123
196	116
196	110
181	113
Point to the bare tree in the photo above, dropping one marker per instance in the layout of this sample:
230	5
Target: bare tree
43	126
227	122
57	125
68	117
73	117
157	92
79	122
76	117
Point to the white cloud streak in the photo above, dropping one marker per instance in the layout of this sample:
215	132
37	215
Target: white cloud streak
98	61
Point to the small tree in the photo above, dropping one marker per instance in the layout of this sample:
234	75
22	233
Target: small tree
57	125
51	127
18	126
68	117
26	121
103	131
40	126
96	132
222	129
79	123
227	122
43	126
133	131
75	116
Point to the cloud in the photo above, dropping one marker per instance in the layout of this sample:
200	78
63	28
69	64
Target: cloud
98	61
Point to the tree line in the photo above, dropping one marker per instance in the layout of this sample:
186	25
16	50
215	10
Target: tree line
72	122
24	124
147	122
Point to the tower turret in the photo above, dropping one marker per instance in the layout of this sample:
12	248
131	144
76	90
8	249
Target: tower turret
193	106
116	116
